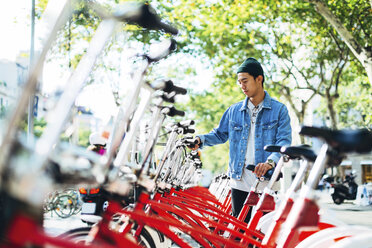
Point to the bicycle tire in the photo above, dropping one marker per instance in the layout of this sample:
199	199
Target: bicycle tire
77	201
80	236
145	239
77	235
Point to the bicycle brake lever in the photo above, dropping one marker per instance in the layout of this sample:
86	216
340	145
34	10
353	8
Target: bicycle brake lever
168	97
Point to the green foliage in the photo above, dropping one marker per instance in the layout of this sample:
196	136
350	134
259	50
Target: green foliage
39	126
84	137
354	104
300	52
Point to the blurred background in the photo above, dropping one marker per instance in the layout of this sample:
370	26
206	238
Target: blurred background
320	71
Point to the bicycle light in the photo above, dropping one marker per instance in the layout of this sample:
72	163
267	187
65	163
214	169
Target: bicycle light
82	191
94	191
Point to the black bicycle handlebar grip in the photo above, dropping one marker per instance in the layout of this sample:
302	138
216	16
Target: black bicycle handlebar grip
224	176
198	163
272	148
188	130
251	167
179	90
194	153
168	28
268	173
191	144
170	87
144	15
173	112
186	123
190	141
313	131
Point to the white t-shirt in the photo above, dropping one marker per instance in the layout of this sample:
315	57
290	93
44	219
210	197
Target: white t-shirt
248	178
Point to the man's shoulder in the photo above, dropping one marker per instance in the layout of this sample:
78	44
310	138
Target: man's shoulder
277	104
236	106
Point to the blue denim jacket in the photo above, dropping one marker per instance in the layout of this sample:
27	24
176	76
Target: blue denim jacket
272	128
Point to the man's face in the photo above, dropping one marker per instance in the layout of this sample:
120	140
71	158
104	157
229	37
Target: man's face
249	85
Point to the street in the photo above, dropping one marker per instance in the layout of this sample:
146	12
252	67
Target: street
347	212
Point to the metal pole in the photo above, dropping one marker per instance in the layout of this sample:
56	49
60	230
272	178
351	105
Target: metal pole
30	120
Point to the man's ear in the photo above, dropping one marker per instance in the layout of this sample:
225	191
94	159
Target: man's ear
259	78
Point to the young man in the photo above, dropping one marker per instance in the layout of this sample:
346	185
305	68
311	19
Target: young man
249	125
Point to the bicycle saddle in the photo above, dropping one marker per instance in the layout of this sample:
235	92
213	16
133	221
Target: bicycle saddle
297	152
342	141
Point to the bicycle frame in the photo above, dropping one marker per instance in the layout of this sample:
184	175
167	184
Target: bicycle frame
284	208
266	202
305	204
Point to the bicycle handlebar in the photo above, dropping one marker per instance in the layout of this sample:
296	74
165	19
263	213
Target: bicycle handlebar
168	98
161	50
272	148
191	143
186	123
267	175
170	87
172	111
189	130
143	15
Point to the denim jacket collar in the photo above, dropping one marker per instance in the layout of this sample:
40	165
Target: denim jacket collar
266	102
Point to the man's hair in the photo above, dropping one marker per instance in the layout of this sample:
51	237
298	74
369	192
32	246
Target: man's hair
253	67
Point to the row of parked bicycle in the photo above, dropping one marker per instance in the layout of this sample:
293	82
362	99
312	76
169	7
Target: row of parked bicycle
154	203
64	203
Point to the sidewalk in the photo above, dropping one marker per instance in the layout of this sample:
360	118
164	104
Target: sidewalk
347	212
54	225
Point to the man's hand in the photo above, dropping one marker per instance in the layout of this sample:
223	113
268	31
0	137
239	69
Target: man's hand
261	169
196	146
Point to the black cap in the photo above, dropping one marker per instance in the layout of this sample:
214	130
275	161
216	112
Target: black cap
253	67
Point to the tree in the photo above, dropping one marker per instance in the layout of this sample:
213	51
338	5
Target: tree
358	19
361	19
303	56
274	32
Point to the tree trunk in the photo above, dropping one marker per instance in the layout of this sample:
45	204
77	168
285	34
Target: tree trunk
301	118
331	109
362	54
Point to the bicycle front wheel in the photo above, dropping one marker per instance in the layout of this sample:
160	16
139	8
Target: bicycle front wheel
64	206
